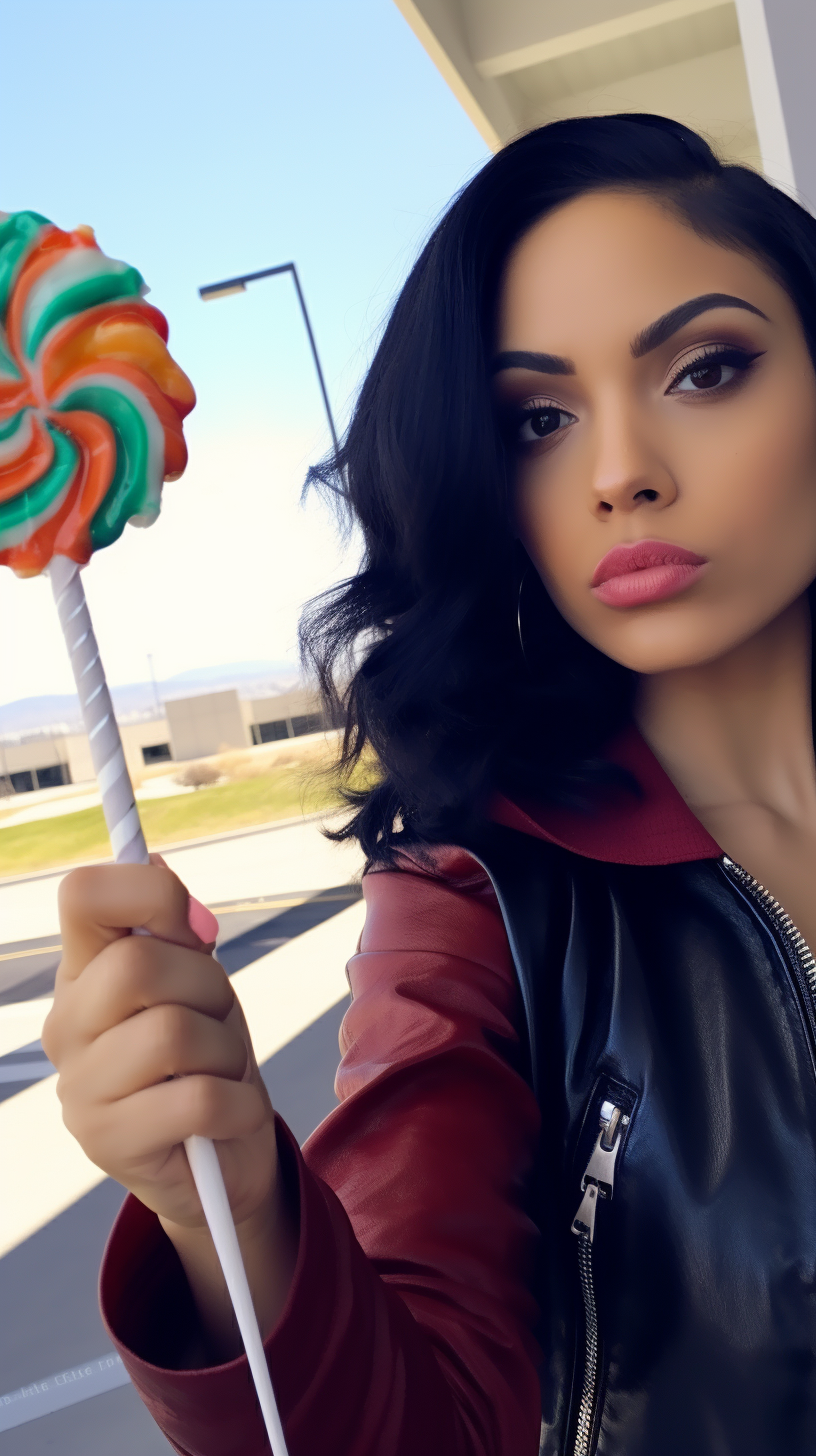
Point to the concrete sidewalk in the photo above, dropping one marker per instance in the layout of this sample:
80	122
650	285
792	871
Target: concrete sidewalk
277	859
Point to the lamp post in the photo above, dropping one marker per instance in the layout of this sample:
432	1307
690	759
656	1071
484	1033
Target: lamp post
156	697
238	285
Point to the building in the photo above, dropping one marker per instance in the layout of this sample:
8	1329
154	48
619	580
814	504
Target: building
288	716
736	70
190	728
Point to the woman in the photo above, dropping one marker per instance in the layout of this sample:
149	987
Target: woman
570	1190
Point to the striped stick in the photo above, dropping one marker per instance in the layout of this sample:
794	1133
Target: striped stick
118	802
129	847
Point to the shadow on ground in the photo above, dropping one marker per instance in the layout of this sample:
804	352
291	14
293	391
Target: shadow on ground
48	1285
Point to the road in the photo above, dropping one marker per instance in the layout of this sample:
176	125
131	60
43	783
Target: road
290	914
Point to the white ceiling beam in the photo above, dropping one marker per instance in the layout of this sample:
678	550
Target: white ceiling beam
438	26
566	42
516	63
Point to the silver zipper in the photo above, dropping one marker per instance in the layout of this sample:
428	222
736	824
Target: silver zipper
793	939
599	1178
598	1182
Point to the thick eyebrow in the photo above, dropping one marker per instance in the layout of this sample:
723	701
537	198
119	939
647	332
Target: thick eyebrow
662	329
648	339
541	363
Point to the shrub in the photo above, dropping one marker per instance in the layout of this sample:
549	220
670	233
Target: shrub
198	775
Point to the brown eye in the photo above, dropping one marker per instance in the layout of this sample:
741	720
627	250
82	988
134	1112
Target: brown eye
715	371
708	376
545	421
540	422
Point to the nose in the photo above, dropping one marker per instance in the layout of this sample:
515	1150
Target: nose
628	474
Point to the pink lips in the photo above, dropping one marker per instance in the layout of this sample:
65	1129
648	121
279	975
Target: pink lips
641	572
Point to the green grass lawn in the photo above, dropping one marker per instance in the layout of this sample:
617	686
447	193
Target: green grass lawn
67	838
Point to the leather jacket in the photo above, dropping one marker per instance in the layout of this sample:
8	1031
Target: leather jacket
672	1033
660	1005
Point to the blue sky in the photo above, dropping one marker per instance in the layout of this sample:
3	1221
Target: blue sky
201	140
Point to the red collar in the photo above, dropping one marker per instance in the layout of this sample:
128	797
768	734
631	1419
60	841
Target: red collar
658	828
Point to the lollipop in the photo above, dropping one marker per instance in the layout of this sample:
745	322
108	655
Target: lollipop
91	411
91	403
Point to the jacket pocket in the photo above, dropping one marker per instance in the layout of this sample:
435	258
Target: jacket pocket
611	1111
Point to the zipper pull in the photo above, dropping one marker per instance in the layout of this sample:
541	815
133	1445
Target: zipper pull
599	1178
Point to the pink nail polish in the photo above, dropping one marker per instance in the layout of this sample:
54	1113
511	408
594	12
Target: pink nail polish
202	922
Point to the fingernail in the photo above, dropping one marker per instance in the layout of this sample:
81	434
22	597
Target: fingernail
202	922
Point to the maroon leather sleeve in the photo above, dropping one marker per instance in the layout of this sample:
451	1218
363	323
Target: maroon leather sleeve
408	1328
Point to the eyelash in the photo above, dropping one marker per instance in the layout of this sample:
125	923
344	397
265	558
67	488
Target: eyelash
728	356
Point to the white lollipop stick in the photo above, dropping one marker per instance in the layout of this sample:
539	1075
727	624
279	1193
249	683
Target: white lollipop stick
128	843
210	1184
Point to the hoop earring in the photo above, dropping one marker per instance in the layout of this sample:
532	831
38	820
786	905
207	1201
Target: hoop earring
518	618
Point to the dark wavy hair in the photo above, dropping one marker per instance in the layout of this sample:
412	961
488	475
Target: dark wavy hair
420	650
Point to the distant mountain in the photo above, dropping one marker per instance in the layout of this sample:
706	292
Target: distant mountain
28	715
252	679
59	713
242	669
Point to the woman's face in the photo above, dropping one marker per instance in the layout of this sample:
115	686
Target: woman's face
660	398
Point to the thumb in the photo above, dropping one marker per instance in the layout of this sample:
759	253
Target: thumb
102	904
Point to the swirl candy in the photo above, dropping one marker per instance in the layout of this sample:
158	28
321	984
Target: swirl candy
91	410
91	403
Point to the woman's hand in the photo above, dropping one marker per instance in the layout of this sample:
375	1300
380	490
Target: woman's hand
151	1046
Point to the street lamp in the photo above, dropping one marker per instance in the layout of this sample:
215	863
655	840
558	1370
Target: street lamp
156	697
238	285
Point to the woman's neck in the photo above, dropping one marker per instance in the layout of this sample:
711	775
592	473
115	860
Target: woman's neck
736	734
